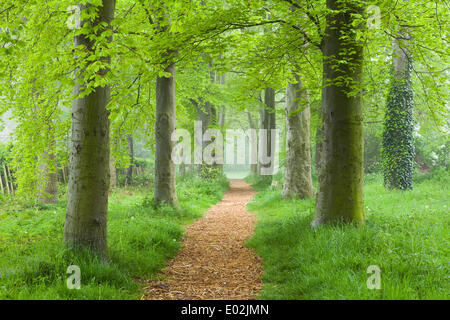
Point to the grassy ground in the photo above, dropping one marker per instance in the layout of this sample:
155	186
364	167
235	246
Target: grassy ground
406	235
33	260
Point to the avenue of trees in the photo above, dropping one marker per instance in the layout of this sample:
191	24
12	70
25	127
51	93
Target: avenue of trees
84	81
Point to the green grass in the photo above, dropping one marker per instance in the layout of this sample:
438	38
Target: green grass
33	259
406	235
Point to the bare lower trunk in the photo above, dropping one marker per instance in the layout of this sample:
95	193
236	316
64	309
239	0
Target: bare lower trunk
1	184
298	180
49	191
340	196
113	173
221	120
268	123
6	179
165	171
129	177
87	203
318	152
253	166
204	116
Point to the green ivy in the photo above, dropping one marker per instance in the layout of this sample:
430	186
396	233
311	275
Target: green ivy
398	142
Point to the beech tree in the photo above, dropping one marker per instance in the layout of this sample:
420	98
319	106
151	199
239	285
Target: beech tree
268	122
341	176
165	184
297	179
87	202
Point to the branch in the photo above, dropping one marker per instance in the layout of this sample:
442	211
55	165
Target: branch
314	19
10	7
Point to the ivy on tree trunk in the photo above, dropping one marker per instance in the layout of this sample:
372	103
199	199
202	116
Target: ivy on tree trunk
398	142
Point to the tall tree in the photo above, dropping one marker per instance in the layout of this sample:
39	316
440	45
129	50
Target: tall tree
252	125
298	180
129	177
165	169
268	122
48	175
112	173
204	115
398	144
340	196
87	203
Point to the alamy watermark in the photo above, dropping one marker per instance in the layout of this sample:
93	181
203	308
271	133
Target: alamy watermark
374	281
74	280
374	20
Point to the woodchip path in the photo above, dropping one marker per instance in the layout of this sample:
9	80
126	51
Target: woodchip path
214	262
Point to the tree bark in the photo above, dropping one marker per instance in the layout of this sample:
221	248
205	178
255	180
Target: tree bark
253	166
6	179
298	179
341	178
48	182
204	116
49	192
1	184
113	173
87	203
318	152
63	171
182	169
11	181
165	170
268	122
129	177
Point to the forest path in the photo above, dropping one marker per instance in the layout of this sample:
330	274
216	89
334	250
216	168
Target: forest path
214	262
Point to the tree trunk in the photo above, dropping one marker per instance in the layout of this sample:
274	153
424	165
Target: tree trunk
112	173
204	116
221	120
268	123
1	184
182	169
253	166
49	192
129	177
318	158
398	142
298	180
63	171
11	181
87	203
165	171
6	179
340	196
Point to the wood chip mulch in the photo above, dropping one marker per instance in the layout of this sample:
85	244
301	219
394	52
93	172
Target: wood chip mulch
214	262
